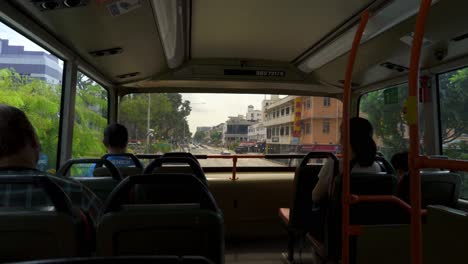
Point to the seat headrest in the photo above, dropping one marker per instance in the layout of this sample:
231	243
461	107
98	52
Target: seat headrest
194	166
124	171
185	181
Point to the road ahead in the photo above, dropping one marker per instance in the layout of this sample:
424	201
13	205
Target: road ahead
254	162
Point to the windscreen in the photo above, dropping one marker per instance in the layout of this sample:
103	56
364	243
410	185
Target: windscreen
231	124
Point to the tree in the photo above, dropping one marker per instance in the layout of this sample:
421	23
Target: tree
168	116
391	128
90	118
387	119
41	103
200	137
453	104
216	137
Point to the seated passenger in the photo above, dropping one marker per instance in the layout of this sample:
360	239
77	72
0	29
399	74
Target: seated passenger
19	154
363	153
116	140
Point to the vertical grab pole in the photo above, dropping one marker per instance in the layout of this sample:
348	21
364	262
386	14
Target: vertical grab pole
346	195
412	119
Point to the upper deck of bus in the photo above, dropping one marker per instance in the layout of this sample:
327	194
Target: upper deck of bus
297	48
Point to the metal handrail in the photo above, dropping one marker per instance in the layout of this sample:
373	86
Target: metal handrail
346	195
234	158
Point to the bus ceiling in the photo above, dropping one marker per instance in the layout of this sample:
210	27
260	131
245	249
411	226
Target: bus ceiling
239	46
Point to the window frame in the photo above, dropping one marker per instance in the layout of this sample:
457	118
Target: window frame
326	131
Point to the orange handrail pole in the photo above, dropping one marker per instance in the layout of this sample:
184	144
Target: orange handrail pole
412	119
346	145
234	168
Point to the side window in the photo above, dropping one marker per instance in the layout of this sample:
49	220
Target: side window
453	100
326	126
383	110
31	80
326	101
91	116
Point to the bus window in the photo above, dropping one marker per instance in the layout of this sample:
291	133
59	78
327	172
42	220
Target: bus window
453	100
383	109
31	79
91	115
228	124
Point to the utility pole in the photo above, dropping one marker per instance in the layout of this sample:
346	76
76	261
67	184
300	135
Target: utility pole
148	130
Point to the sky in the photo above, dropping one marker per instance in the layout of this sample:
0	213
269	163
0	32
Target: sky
207	109
213	109
18	39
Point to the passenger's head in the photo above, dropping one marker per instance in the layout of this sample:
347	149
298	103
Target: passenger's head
115	138
19	145
400	162
362	144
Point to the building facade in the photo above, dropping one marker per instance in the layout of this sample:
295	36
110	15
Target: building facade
257	133
318	124
279	125
253	115
321	118
236	129
35	64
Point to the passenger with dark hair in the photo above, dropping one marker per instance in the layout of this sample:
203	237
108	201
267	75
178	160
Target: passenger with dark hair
363	153
115	139
19	154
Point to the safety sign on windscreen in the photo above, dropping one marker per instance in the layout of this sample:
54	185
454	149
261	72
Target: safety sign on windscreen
121	7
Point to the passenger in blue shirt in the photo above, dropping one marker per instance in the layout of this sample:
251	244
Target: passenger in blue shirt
116	140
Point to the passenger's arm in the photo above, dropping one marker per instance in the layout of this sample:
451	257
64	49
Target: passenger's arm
321	188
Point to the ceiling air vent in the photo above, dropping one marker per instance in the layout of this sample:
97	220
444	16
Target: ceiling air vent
127	75
394	67
106	52
48	5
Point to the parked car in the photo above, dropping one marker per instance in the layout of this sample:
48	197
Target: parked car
225	152
241	150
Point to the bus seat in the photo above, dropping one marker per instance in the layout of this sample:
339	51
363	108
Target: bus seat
125	171
101	186
437	188
156	166
444	235
369	213
181	154
300	215
29	231
147	226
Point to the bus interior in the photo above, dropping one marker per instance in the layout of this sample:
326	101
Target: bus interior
180	73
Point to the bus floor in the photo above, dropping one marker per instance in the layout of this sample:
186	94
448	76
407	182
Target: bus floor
263	251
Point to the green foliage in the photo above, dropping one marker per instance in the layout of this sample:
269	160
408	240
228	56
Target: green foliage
167	114
216	137
387	120
90	118
200	137
161	147
41	103
390	127
453	87
457	150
